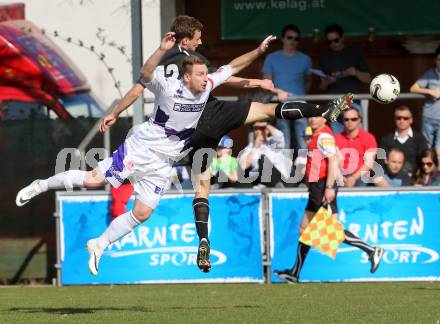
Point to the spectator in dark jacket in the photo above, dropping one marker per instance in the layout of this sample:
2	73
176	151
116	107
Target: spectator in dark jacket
411	142
394	176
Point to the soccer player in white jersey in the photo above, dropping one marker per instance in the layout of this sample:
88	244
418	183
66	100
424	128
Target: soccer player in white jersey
220	117
146	156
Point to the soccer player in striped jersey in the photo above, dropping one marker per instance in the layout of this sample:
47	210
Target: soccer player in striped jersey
147	155
220	117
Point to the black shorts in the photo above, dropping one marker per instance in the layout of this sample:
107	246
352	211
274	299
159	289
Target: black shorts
203	151
316	194
220	117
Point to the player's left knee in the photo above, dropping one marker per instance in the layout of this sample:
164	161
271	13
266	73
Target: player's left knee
141	212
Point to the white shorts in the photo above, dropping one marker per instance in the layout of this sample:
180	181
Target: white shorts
148	170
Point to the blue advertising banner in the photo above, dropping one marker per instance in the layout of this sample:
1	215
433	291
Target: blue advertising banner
164	249
406	224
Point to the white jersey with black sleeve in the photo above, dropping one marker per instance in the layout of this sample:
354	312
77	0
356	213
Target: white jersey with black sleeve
176	112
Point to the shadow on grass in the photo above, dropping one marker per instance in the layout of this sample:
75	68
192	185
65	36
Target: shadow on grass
93	310
212	307
76	310
426	288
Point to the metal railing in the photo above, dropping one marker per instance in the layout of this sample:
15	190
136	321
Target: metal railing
363	97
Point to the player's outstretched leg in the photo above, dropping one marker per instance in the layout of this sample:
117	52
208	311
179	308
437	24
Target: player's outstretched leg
296	109
292	275
64	180
336	106
118	228
200	158
375	253
201	218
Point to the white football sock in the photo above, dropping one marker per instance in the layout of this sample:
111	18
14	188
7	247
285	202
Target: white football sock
119	227
64	180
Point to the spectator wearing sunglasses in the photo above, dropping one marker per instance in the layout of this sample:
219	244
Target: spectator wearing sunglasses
346	67
427	172
290	71
357	149
411	142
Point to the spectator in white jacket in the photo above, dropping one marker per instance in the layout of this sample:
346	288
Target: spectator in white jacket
263	158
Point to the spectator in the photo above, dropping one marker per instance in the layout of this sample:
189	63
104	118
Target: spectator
427	173
224	166
412	143
290	71
394	176
429	84
264	153
345	67
357	147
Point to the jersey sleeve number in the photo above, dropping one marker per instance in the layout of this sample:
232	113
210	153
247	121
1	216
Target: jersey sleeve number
172	71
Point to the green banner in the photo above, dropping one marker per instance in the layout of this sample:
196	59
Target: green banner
244	19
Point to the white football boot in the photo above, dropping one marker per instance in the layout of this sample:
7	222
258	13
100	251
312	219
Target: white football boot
27	193
95	254
375	258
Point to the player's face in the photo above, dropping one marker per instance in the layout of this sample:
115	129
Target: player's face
395	162
335	41
194	42
197	79
316	122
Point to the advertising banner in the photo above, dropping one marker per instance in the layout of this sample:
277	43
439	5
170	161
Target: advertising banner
164	248
249	19
405	224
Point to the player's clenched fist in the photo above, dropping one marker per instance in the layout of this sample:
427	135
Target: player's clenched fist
107	122
168	41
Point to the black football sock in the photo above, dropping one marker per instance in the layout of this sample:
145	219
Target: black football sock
355	241
295	110
201	217
301	255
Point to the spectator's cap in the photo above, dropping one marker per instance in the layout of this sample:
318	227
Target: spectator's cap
226	142
308	131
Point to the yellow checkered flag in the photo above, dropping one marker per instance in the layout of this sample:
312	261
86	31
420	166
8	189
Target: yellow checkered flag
324	233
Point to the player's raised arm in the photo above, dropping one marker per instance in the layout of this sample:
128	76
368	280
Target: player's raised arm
244	60
147	70
122	105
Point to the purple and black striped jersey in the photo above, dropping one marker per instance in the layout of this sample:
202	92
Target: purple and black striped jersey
176	111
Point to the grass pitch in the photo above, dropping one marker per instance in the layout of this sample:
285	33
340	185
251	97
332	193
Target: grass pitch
227	303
